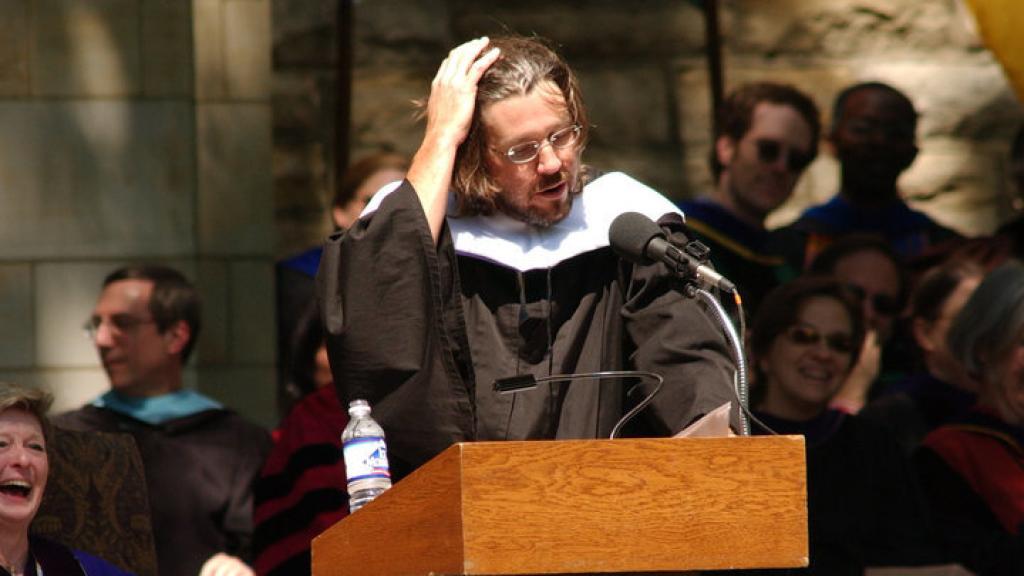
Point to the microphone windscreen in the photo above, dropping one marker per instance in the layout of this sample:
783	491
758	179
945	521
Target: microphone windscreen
629	235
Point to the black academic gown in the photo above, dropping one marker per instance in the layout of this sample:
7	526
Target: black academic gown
422	331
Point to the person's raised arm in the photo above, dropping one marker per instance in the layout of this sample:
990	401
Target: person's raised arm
449	115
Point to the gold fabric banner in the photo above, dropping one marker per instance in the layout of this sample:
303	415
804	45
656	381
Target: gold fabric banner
1001	25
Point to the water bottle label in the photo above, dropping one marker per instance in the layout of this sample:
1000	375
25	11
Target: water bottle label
366	457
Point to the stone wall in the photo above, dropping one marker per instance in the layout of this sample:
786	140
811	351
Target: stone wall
136	130
644	75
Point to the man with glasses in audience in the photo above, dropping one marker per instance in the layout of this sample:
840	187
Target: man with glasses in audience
200	458
492	261
874	138
767	134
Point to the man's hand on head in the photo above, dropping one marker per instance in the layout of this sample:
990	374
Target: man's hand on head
449	117
453	91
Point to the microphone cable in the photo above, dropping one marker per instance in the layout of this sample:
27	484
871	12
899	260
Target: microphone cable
520	383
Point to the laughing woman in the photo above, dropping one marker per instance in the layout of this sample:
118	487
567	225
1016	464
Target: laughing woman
24	467
862	508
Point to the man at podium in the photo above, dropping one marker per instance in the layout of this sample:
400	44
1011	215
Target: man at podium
492	260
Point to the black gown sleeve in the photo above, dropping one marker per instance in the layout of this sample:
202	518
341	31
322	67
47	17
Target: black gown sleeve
393	320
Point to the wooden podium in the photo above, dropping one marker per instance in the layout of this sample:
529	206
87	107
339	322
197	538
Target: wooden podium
583	507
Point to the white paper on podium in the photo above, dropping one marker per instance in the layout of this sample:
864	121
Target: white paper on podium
714	424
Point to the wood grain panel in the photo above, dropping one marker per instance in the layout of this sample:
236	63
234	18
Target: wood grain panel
413	528
583	507
660	504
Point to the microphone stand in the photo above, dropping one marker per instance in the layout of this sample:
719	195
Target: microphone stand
740	386
699	252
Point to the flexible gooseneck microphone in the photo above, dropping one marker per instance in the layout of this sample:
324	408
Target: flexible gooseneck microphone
638	239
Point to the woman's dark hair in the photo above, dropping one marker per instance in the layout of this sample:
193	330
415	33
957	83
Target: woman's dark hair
781	308
361	170
307	339
937	284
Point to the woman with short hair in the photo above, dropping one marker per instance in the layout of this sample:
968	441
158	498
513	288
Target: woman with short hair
24	470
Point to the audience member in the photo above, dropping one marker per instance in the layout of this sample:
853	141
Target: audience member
301	489
862	506
309	369
973	468
295	275
200	458
24	469
767	135
874	273
874	138
941	389
426	308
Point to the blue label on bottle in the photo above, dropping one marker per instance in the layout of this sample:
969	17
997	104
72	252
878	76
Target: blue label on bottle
366	457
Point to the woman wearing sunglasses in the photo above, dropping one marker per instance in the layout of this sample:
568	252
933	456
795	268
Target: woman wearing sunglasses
862	508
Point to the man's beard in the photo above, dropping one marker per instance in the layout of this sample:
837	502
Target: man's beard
533	216
524	211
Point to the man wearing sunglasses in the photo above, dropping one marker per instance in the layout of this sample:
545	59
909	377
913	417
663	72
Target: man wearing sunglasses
492	260
874	138
767	135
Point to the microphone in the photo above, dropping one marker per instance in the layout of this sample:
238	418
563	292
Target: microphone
638	239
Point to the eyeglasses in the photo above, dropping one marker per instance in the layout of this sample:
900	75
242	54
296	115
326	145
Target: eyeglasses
527	151
768	152
804	335
118	324
882	303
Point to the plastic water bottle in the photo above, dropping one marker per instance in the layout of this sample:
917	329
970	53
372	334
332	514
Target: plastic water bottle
366	456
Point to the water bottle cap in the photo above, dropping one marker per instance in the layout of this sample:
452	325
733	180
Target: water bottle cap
359	406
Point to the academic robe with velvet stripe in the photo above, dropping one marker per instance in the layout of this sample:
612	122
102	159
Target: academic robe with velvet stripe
422	331
972	470
301	489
